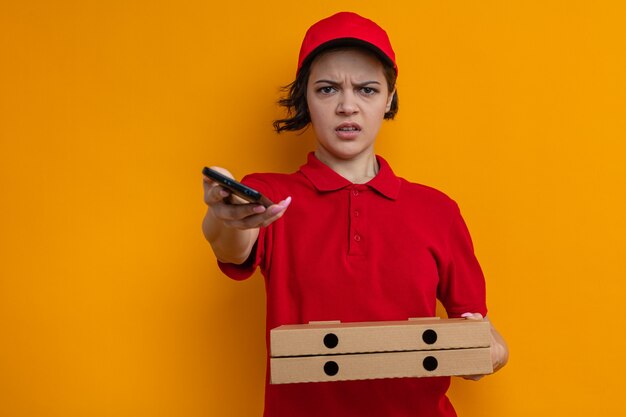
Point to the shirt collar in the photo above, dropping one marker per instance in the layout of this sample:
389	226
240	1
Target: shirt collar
325	179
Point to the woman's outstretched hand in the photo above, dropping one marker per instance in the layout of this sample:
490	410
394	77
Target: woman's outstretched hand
231	224
234	212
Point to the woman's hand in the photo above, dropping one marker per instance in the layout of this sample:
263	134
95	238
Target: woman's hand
235	212
231	224
499	348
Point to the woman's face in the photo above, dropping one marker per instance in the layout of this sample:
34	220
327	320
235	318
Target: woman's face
348	97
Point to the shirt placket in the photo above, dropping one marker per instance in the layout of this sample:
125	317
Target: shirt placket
357	234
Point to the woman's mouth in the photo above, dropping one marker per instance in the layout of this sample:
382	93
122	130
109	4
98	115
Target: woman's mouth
348	131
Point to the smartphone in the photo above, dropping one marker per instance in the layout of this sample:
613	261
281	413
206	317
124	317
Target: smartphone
237	188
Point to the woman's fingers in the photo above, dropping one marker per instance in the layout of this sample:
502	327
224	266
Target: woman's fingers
234	212
276	211
473	377
213	192
261	218
472	316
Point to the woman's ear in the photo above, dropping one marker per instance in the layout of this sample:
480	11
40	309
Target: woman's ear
390	100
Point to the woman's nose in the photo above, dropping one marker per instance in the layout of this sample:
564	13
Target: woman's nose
347	104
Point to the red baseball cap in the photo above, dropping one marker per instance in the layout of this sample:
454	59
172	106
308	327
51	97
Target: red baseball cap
346	29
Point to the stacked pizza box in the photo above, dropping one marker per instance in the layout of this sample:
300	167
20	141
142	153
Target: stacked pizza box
334	351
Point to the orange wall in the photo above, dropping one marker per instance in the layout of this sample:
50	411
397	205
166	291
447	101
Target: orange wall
110	300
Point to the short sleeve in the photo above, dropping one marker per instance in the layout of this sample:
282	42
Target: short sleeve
462	283
257	255
246	269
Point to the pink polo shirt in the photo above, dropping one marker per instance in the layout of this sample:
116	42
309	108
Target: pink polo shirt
385	250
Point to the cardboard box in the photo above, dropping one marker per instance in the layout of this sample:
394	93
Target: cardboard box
381	336
319	352
380	365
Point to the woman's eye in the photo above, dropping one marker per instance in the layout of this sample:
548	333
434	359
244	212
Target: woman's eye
368	91
326	90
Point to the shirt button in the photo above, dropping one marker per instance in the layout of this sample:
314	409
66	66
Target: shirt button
357	238
356	213
355	192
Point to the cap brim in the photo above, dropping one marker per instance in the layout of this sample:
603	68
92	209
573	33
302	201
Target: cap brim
348	42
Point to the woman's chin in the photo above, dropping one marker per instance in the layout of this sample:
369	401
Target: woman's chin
346	151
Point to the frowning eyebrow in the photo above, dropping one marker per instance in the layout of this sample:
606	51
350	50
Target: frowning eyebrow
331	82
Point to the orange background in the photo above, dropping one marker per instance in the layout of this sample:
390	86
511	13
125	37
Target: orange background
110	301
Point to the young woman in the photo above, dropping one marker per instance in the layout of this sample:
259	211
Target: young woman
349	240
